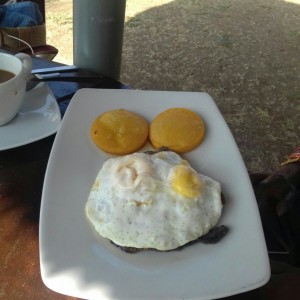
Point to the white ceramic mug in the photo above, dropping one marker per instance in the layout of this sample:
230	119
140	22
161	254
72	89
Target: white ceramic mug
12	91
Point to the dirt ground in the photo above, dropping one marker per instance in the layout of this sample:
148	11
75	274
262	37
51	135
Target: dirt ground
244	53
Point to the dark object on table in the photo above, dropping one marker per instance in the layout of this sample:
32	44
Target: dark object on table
42	51
65	90
212	237
278	197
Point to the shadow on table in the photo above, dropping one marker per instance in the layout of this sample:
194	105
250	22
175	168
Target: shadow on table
22	173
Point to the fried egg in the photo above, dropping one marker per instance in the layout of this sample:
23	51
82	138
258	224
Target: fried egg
152	201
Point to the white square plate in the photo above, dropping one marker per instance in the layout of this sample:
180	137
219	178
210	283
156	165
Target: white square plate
74	261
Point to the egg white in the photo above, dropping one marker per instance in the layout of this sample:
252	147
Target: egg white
133	204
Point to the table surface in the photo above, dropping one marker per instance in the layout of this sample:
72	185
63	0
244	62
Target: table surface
21	178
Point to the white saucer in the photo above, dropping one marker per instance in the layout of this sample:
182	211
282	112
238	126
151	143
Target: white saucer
38	118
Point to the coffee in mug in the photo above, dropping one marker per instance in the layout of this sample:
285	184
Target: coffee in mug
5	75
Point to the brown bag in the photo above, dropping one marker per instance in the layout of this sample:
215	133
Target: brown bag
15	39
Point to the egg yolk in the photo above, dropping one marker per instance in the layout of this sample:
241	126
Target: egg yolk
184	181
